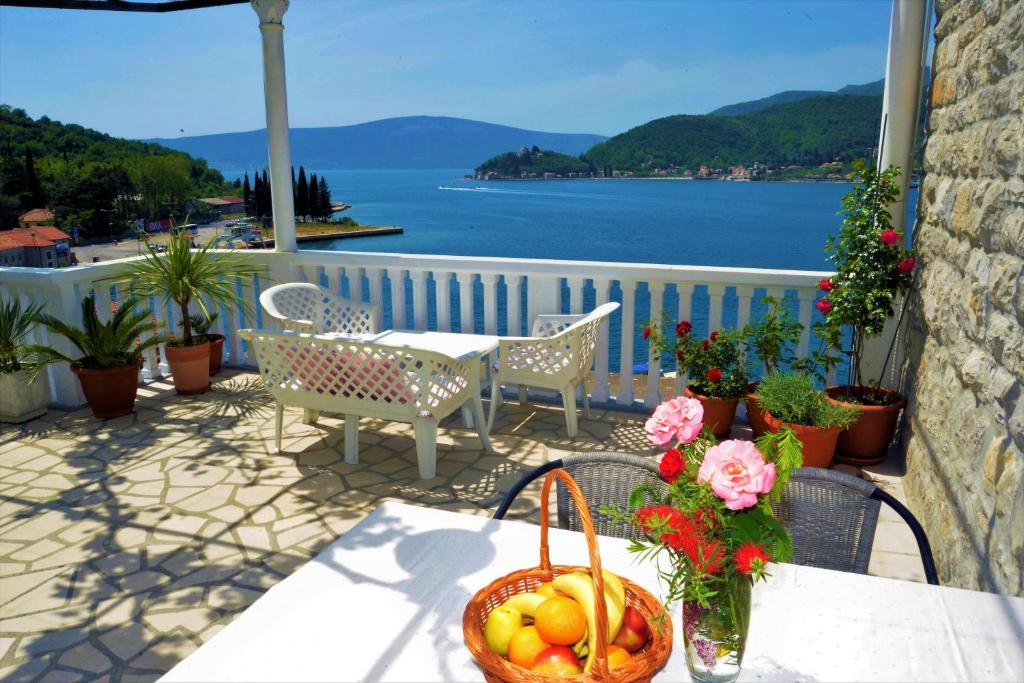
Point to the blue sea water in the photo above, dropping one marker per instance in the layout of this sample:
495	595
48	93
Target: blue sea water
710	223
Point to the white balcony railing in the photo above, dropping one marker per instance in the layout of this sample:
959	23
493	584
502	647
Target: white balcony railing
427	292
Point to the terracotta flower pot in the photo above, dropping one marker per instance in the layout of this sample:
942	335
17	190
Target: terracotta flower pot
819	444
866	442
718	412
190	367
755	414
216	352
110	391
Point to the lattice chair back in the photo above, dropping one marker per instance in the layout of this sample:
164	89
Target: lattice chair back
306	307
358	378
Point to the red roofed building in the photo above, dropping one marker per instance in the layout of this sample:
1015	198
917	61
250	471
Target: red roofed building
35	217
40	247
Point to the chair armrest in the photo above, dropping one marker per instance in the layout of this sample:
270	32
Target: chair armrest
550	324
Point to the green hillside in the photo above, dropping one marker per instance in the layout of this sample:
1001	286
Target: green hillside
533	162
807	132
84	176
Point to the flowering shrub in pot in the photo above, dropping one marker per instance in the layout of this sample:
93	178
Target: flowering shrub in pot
791	399
772	338
716	527
714	367
873	271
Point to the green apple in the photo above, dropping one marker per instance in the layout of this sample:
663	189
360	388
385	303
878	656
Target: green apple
501	623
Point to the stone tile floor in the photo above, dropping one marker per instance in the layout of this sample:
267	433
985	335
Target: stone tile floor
126	544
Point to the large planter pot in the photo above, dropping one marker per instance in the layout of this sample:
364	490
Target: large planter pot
718	413
20	400
755	414
819	444
216	352
866	442
110	391
190	367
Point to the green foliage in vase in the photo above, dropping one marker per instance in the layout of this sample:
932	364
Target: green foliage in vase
774	335
791	397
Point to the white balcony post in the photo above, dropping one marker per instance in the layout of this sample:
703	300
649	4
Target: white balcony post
275	95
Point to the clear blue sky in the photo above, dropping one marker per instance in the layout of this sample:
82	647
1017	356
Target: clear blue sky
565	66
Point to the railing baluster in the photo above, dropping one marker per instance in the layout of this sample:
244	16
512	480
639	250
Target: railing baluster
653	396
744	294
355	283
716	292
376	278
625	394
575	294
512	289
232	325
465	302
443	299
685	313
334	280
397	277
600	391
419	298
806	297
490	282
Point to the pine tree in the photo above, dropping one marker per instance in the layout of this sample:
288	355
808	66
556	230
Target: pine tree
313	197
247	196
302	207
325	198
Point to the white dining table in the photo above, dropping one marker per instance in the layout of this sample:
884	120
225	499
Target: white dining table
385	601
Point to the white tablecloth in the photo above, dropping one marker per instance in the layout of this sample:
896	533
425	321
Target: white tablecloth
385	602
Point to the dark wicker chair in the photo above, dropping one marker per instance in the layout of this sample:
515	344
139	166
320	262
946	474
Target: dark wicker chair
831	515
605	478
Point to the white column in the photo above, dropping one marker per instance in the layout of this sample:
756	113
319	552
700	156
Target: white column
901	98
276	96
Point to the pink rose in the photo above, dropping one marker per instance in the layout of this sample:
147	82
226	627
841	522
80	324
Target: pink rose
737	473
680	418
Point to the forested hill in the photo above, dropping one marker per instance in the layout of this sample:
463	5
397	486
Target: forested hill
535	162
806	132
872	88
81	173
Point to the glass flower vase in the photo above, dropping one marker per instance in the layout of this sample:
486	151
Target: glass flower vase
715	636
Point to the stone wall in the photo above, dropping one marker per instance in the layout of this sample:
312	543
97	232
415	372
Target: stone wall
964	429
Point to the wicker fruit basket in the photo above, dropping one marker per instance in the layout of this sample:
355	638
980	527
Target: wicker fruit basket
643	664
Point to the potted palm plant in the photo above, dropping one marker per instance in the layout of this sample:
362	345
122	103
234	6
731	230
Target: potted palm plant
204	278
23	394
111	353
791	399
772	339
873	271
201	327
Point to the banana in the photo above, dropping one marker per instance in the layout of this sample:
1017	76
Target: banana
580	587
527	603
582	648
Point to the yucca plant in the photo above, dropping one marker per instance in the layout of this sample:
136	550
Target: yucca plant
15	323
184	275
116	343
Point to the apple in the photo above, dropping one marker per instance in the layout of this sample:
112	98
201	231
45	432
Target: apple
558	661
617	656
500	626
635	632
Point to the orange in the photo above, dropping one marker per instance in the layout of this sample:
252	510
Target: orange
560	621
525	645
617	656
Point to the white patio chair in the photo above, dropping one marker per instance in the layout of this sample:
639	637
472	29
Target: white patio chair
558	356
306	307
364	379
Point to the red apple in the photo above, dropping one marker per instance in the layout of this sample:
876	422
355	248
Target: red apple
557	660
634	632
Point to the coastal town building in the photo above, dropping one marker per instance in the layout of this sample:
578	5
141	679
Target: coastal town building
35	217
225	205
37	247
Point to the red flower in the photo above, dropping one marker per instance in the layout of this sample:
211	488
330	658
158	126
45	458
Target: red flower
890	236
652	515
714	375
826	285
714	335
908	264
646	333
704	345
672	465
824	305
680	356
706	554
683	328
751	557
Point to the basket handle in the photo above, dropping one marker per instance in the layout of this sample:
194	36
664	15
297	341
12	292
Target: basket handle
601	608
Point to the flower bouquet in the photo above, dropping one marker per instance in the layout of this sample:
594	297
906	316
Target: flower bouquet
714	533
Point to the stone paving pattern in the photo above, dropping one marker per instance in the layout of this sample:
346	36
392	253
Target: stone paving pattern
125	544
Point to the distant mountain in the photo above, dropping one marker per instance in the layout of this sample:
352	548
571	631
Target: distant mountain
407	142
873	88
806	132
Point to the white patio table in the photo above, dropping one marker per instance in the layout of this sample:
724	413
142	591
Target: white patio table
385	601
464	347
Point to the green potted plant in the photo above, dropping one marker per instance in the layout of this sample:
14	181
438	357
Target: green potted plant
111	353
714	367
23	394
201	328
791	399
771	338
873	270
202	277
